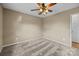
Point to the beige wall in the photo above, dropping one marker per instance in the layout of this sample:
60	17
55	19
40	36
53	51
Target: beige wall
0	28
20	27
57	27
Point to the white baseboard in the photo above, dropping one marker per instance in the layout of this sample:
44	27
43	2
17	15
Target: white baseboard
75	41
18	42
59	42
35	39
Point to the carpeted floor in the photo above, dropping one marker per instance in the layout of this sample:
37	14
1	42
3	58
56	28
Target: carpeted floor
41	47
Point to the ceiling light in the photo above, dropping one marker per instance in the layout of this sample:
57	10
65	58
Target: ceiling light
46	11
41	10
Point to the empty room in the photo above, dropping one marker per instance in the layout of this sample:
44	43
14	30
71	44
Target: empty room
39	29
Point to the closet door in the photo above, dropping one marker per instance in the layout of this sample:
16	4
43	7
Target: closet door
0	28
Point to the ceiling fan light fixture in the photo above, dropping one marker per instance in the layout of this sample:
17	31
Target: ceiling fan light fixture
44	13
41	10
46	10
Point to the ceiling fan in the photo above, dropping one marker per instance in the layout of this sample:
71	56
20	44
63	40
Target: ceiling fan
43	8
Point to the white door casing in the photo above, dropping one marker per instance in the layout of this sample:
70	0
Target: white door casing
0	28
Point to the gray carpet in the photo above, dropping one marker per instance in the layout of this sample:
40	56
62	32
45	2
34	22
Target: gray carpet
41	47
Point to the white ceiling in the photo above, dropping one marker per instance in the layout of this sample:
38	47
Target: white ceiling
26	7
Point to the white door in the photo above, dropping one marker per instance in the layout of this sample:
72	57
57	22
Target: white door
0	28
75	28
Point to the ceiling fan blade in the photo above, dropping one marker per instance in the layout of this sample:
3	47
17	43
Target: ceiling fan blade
38	4
50	10
35	9
51	4
40	13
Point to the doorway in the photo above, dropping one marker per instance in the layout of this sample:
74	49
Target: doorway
75	30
